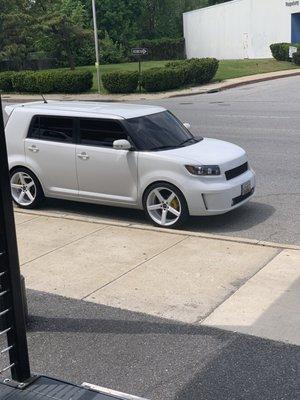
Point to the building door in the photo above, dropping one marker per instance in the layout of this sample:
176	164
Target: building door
246	45
295	28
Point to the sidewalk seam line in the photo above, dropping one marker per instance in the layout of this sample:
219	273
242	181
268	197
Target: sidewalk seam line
202	320
65	245
135	267
29	220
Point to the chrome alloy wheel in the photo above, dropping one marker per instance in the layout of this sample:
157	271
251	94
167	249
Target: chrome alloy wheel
23	188
163	206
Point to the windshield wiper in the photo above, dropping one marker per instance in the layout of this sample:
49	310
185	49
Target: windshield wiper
163	148
188	140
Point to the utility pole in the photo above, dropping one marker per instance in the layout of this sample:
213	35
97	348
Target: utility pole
96	44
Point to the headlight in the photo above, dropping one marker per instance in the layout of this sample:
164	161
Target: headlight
203	170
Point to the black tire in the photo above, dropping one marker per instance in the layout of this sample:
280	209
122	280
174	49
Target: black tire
38	193
183	208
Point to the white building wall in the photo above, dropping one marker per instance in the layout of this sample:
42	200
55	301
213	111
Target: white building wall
238	29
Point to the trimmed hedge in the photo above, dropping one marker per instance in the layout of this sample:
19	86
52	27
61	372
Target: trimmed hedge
6	81
162	79
121	81
160	49
47	81
195	71
280	51
296	57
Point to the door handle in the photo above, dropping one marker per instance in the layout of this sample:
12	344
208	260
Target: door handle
33	148
83	156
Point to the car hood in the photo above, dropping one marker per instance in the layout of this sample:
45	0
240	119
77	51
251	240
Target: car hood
211	152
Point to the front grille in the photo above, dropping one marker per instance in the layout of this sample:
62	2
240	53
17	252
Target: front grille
233	173
241	198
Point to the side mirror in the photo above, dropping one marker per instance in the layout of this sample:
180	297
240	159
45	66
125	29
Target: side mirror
121	144
187	125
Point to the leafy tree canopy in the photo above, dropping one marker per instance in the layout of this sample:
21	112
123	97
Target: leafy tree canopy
63	28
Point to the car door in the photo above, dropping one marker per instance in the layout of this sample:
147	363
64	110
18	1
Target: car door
50	154
105	174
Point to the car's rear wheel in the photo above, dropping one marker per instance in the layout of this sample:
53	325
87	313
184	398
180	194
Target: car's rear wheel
165	205
26	190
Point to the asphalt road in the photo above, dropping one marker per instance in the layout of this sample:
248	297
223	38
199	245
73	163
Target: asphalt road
262	118
155	358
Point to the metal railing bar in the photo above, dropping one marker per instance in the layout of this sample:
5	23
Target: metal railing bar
7	368
5	331
6	349
4	312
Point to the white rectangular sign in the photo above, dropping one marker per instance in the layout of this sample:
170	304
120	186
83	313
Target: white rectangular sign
292	50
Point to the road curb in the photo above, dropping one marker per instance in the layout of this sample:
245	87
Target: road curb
237	84
187	233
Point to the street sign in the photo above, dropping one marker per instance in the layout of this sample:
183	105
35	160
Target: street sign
292	50
139	51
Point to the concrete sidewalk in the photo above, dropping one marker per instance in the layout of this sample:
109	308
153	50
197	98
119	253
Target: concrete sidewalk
239	285
208	88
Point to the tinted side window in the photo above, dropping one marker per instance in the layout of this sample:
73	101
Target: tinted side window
97	132
55	129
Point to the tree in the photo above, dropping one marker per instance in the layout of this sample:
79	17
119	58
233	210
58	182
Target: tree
62	25
16	34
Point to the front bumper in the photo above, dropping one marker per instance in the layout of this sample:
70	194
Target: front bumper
221	197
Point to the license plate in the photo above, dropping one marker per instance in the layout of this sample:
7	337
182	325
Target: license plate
246	188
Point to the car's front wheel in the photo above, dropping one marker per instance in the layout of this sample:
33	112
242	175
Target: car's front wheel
26	190
165	205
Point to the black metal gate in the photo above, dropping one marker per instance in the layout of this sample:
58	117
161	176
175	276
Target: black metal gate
16	381
12	318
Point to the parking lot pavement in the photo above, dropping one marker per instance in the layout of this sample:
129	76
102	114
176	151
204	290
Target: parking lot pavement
171	274
155	358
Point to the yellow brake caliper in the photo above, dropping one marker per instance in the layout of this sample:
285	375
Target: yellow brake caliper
175	204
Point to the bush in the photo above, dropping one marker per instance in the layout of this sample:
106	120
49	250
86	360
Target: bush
280	51
121	81
6	84
196	71
111	52
162	79
85	53
73	81
58	81
296	57
160	49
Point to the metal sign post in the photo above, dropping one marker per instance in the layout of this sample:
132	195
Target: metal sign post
139	52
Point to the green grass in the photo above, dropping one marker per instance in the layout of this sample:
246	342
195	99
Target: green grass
229	69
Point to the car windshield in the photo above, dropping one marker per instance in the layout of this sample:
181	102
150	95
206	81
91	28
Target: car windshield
161	131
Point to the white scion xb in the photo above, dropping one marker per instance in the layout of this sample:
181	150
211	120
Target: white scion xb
122	155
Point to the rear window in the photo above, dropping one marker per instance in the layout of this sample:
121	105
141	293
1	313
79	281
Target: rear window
55	129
